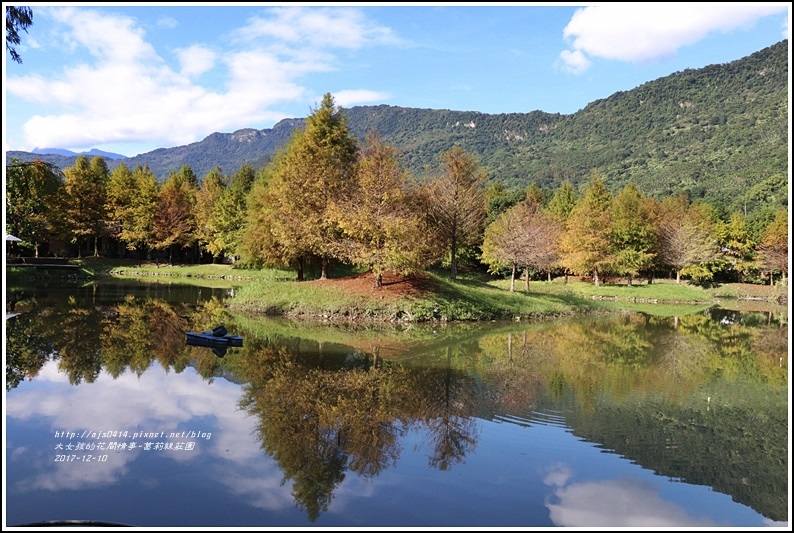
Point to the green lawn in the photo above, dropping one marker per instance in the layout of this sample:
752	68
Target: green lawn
473	296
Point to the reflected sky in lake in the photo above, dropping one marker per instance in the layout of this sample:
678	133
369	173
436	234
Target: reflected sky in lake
540	475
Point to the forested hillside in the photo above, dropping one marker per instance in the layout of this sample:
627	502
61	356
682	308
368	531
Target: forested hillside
719	133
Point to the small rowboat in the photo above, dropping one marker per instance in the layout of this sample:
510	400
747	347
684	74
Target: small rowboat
207	338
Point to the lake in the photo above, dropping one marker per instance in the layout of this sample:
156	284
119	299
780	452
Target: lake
628	420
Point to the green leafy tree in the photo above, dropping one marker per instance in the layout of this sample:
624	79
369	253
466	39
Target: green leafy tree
83	205
229	212
381	227
586	243
534	194
31	198
498	199
633	233
131	205
562	202
212	186
18	18
559	209
738	249
458	203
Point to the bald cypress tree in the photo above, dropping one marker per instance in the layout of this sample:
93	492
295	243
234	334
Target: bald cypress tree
382	229
84	207
305	180
586	242
458	203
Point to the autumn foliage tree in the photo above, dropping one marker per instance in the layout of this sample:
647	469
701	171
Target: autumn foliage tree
31	199
686	237
258	244
131	205
773	248
522	236
458	203
304	181
174	222
558	210
382	230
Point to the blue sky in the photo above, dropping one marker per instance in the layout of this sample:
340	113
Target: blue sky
136	77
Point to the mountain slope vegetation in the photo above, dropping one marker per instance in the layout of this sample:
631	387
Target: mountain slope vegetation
718	133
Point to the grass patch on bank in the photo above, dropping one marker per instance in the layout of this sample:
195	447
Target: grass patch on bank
442	300
306	299
657	292
137	269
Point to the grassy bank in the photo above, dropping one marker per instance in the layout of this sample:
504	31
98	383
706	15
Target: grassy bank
468	298
430	297
442	300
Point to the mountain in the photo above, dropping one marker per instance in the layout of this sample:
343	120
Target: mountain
69	153
719	133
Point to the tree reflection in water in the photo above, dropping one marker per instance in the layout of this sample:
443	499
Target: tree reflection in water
627	382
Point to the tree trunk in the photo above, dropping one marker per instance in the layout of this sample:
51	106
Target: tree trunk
549	276
324	267
678	277
595	278
513	279
300	268
629	277
379	280
526	279
454	251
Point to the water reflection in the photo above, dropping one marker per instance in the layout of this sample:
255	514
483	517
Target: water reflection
624	502
628	420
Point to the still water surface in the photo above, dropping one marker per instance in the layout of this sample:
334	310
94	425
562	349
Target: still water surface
631	420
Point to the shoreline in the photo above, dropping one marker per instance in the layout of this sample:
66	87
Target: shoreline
428	297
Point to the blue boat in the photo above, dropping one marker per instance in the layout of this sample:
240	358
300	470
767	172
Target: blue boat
210	339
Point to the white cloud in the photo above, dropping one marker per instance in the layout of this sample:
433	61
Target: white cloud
167	23
640	33
574	61
195	60
109	39
318	28
350	98
123	91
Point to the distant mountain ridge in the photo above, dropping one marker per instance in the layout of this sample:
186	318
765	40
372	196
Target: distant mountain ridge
69	153
719	133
